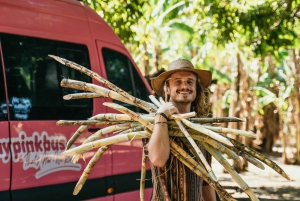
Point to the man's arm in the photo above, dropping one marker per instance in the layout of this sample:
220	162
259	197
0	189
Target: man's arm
159	144
208	193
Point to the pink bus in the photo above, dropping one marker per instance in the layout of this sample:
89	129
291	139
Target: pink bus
31	102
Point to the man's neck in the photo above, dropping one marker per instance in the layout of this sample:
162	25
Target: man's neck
183	107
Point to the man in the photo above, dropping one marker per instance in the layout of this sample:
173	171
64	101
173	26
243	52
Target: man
184	89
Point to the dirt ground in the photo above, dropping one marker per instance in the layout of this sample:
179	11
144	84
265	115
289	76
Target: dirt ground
266	184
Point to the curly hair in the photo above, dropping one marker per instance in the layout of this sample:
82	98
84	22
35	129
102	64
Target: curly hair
201	104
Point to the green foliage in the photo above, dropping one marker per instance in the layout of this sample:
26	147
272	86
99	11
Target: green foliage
120	15
219	76
262	27
248	41
227	97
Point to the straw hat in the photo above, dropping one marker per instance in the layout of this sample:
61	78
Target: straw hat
180	65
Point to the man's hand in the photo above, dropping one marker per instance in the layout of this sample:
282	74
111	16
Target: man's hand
168	109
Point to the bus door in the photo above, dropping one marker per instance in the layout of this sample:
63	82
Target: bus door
126	156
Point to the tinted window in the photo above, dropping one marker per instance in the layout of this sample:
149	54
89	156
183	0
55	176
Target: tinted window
121	72
33	78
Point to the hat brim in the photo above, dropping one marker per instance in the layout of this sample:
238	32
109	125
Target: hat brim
158	82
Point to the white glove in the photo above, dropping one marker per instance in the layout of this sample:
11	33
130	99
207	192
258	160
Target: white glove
168	109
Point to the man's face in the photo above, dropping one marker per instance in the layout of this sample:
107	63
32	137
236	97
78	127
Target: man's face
182	87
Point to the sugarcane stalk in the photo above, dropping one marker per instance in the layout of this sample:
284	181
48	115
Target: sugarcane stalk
249	158
211	139
97	135
189	158
106	130
81	95
198	151
207	132
260	157
146	117
182	116
122	117
191	149
215	120
150	127
109	118
230	131
85	122
95	158
143	176
154	101
133	129
113	117
220	197
135	117
195	146
203	138
78	132
132	114
217	146
189	162
106	141
235	176
252	160
88	169
84	86
142	104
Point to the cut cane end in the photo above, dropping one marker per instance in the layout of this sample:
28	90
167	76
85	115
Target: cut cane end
76	158
227	142
240	120
112	105
56	58
286	176
68	146
107	103
67	97
261	166
68	153
77	189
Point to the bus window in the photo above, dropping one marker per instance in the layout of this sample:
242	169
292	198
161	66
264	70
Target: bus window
33	78
121	72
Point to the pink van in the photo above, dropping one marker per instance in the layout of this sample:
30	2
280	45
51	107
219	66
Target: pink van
31	165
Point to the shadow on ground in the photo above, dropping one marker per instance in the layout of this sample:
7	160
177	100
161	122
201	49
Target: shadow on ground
266	194
266	184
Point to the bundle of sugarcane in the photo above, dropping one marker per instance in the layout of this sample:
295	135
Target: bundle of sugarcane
132	126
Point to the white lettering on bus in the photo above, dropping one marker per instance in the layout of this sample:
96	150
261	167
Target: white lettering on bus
40	151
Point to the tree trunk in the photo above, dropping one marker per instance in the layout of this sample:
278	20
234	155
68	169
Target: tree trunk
157	57
238	107
271	127
296	72
146	60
